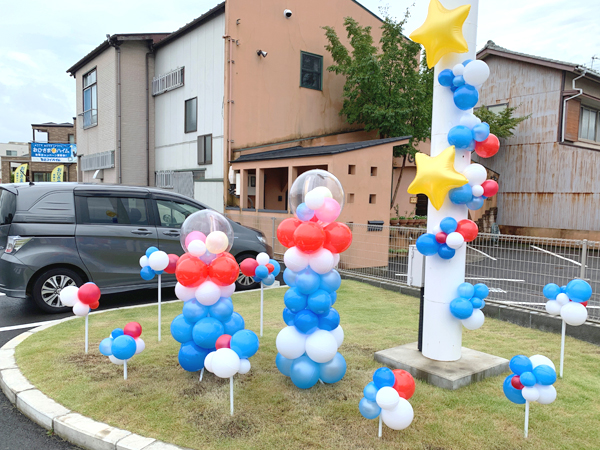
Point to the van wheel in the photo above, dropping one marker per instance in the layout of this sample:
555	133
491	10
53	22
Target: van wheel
244	283
47	287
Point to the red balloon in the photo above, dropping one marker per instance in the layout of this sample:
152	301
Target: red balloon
271	267
223	341
172	263
89	294
516	382
223	271
285	231
404	384
338	237
468	229
183	258
191	271
248	267
133	329
441	237
228	255
95	305
584	304
487	148
490	188
309	237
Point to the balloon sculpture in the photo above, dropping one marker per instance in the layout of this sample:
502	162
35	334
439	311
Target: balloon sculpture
531	381
211	334
155	262
308	347
570	302
123	344
82	299
387	397
263	270
467	307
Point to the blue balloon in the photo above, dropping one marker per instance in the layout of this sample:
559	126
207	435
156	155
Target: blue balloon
307	281
304	213
527	379
294	300
116	333
448	225
261	272
333	296
288	317
234	324
461	195
481	290
181	329
269	280
105	345
563	289
475	204
384	377
191	357
304	372
544	374
481	131
147	273
446	252
330	281
369	409
319	302
453	88
123	347
306	321
482	304
289	277
244	343
446	77
466	61
334	370
461	308
330	320
276	267
149	251
370	391
477	303
460	136
283	364
465	290
193	311
579	291
520	364
458	81
427	245
513	394
221	310
551	290
208	257
466	97
207	331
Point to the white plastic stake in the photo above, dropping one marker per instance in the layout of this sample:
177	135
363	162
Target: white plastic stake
125	370
562	347
86	336
231	394
201	374
526	418
380	426
261	307
159	304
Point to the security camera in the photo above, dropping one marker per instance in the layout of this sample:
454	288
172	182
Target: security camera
261	53
287	13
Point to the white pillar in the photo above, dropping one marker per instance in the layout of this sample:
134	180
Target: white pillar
442	333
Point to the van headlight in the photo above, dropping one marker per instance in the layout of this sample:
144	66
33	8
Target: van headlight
14	243
261	239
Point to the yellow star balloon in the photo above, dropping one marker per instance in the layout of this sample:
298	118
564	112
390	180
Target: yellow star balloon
436	176
442	31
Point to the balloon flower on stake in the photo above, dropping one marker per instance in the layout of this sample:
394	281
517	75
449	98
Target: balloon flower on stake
82	300
570	303
531	381
122	344
469	303
308	346
387	397
263	270
450	236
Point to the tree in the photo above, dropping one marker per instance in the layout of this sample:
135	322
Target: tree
503	123
386	89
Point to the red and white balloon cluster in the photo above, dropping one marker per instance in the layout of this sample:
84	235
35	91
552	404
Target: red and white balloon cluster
82	299
476	190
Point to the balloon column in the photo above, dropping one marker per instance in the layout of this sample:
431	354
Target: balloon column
308	347
467	307
122	344
449	236
263	270
570	302
387	397
155	262
531	381
82	299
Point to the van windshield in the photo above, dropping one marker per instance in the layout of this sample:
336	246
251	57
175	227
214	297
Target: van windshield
8	204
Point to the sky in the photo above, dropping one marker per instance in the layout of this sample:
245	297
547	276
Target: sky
39	43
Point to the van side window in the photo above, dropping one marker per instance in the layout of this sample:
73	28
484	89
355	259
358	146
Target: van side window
8	205
172	214
112	210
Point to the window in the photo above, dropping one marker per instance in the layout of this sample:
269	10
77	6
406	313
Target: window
71	138
372	198
497	109
351	169
350	198
8	205
205	149
112	210
588	124
41	176
311	71
11	153
90	100
373	171
199	175
172	214
191	122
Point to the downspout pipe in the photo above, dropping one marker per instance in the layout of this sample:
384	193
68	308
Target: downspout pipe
564	116
118	49
148	53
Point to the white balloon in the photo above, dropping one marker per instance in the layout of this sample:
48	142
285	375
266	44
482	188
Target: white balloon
547	394
387	397
263	259
477	191
117	361
476	174
80	309
140	345
338	334
68	295
475	321
314	199
458	69
217	242
321	261
225	363
196	247
227	291
336	259
208	361
295	260
531	393
476	73
208	293
539	360
400	417
562	299
321	346
158	260
291	343
437	229
455	240
244	366
469	120
185	293
144	261
553	307
574	313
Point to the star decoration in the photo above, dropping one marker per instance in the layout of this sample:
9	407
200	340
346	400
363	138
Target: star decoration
436	176
442	31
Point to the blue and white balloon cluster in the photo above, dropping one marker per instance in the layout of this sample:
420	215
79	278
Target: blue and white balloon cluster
476	190
470	131
531	380
154	262
463	79
469	303
122	344
262	269
569	301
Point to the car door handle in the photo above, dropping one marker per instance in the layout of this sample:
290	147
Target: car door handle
141	231
171	233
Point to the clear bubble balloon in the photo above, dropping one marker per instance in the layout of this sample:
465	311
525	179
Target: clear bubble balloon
313	188
203	223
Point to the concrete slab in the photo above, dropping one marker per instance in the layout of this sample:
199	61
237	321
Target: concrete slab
7	359
88	433
134	442
159	445
40	408
16	340
471	367
12	382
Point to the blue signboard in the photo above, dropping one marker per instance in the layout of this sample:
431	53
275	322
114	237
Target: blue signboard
44	152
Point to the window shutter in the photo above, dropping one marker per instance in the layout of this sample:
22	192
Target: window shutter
572	120
201	150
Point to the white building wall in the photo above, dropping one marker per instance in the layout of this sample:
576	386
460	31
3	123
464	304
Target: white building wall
22	148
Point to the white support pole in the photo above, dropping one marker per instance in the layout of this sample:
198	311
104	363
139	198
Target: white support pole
526	418
231	394
159	307
380	426
442	333
201	374
125	370
562	346
262	288
86	335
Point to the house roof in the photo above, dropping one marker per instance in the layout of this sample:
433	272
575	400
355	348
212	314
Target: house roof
301	152
52	124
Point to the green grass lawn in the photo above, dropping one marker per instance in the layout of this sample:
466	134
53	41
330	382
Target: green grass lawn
163	401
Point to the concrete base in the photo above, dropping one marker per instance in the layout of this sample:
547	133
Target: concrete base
471	367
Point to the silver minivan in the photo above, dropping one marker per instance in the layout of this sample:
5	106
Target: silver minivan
53	235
